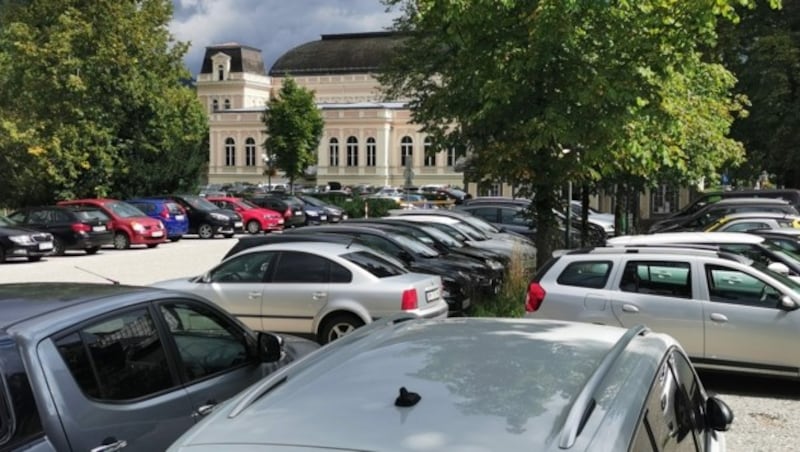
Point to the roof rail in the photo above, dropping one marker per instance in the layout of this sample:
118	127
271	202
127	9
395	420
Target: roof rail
585	402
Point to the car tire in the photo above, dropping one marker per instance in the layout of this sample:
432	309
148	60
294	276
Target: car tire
175	239
92	250
121	241
58	247
253	227
152	245
228	236
30	258
2	255
337	326
205	231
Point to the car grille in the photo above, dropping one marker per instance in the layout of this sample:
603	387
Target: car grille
42	237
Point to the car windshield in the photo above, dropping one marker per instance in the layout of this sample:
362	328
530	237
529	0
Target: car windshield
480	225
470	232
313	201
450	230
415	245
124	210
248	204
374	264
443	237
200	203
7	222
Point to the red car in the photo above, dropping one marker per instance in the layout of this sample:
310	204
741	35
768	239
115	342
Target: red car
255	218
131	226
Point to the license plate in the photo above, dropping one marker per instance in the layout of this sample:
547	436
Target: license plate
180	217
298	212
157	234
323	217
238	224
46	246
344	216
98	228
432	295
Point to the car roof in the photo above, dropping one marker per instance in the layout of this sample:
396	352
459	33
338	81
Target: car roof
248	242
310	246
765	201
484	384
427	218
686	237
755	215
23	301
680	249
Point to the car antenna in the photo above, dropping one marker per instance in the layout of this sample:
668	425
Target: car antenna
112	281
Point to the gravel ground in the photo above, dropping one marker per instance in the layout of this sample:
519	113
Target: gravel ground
767	411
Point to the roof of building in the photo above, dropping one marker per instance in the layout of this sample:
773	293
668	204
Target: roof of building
243	58
338	54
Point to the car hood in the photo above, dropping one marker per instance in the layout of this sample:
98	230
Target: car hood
17	230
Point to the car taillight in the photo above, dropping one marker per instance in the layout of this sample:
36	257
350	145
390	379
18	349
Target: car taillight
409	300
534	298
164	213
80	227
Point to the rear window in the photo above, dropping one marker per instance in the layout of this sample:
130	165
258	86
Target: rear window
374	264
85	215
591	274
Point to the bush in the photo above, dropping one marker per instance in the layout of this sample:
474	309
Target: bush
355	207
510	302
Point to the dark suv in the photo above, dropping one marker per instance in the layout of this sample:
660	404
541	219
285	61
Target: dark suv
81	228
703	217
206	219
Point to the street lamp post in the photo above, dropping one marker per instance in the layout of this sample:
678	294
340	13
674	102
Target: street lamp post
268	163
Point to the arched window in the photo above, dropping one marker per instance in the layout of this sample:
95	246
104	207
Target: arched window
221	72
372	152
227	104
250	152
352	151
333	149
215	105
430	158
406	151
451	156
230	152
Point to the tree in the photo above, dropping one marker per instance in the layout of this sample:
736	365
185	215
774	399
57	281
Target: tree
516	82
294	127
88	92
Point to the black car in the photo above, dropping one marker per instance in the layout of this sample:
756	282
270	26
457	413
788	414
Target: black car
335	214
73	228
703	217
206	219
257	240
293	213
461	277
17	241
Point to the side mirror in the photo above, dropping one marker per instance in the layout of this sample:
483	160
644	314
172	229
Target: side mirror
718	414
270	347
787	303
206	278
779	267
405	257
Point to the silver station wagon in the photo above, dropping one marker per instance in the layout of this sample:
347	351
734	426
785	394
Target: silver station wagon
325	290
469	384
728	313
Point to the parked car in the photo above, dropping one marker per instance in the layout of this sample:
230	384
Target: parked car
169	212
785	238
17	241
700	220
207	220
81	228
103	367
477	384
708	198
335	214
461	277
727	314
256	219
745	222
130	225
314	215
324	290
293	213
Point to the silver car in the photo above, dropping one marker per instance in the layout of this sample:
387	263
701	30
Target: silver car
472	384
325	290
728	313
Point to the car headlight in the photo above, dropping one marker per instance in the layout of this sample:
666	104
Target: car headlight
219	216
138	227
494	265
22	239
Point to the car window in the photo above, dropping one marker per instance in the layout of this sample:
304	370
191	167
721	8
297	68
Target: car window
487	213
666	422
339	274
145	207
728	285
17	217
672	279
693	403
39	216
20	423
297	267
118	358
374	264
745	226
751	252
591	274
249	268
207	343
124	210
514	216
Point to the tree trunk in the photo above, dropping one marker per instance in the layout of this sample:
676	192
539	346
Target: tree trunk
547	232
584	215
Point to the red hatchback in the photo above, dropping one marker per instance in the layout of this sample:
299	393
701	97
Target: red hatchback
255	218
131	226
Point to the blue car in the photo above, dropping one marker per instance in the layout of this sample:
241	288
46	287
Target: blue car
169	212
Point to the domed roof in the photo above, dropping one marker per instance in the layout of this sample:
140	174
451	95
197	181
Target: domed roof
338	54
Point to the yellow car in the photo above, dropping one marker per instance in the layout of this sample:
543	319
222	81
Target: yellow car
748	221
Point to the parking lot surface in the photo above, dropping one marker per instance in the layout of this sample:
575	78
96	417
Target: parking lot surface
767	410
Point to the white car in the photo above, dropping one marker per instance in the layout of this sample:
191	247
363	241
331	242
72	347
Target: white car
321	289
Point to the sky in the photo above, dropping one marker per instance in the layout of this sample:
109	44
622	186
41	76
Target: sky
274	26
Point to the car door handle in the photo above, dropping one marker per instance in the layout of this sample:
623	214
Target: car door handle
630	308
110	445
721	318
204	410
254	295
319	295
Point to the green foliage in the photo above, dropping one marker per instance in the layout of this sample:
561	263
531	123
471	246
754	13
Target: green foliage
294	127
514	83
89	91
358	207
510	302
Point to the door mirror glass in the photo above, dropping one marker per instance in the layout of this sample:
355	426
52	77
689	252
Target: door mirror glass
269	347
787	303
718	414
779	267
